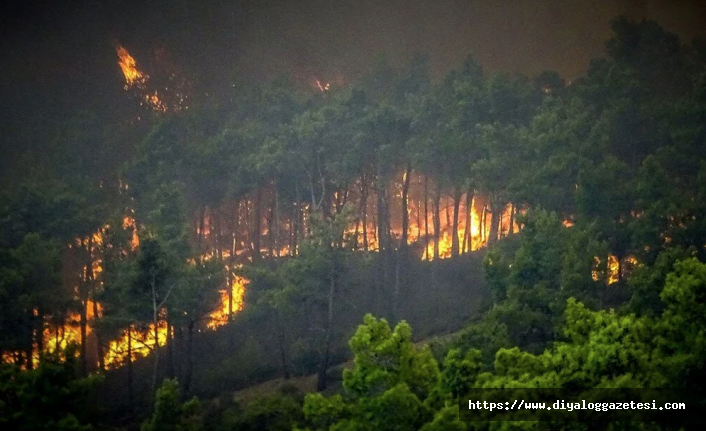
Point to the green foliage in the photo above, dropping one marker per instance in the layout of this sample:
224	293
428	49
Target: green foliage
278	412
49	397
170	414
385	359
532	276
620	153
459	372
600	349
385	388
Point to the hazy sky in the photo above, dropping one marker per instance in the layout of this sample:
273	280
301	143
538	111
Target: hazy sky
54	54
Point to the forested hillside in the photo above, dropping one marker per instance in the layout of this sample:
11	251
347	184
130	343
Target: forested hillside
197	245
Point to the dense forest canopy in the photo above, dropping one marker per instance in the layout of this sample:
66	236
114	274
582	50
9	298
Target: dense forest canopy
137	256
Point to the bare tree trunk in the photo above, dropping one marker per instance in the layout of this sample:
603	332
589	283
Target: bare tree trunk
364	210
229	278
321	383
281	345
426	216
270	233
29	348
383	232
189	356
483	236
454	226
99	338
405	207
84	304
39	331
129	365
202	228
170	348
155	322
493	235
276	228
296	221
419	217
257	228
437	220
512	218
467	237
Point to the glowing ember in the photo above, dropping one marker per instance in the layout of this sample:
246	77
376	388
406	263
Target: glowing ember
135	79
323	87
129	224
615	269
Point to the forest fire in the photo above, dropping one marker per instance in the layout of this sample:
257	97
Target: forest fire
241	228
615	269
136	81
133	76
134	343
130	226
491	222
231	302
58	337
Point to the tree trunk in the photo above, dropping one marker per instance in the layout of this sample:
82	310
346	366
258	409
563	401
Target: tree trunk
281	346
426	216
321	383
419	217
292	231
189	356
129	365
270	233
512	218
170	348
202	228
275	232
155	322
257	228
229	279
493	235
99	338
405	207
29	348
437	221
483	235
454	226
364	211
396	293
83	300
383	233
467	237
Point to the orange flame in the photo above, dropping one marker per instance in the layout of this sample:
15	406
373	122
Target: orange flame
135	78
237	290
135	342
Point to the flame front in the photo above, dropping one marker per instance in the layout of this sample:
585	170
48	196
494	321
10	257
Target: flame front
237	291
135	343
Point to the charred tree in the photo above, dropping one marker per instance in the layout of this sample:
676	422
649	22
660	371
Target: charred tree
426	216
436	206
256	227
467	236
454	226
